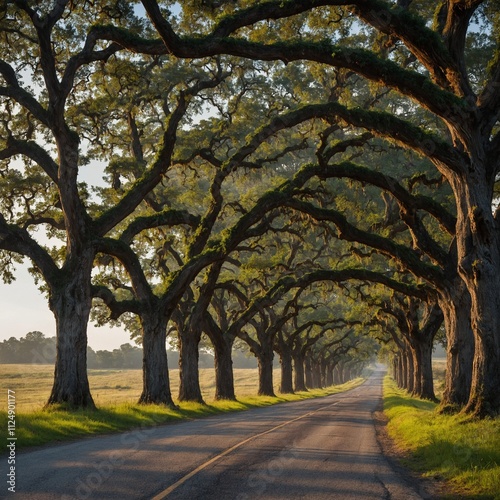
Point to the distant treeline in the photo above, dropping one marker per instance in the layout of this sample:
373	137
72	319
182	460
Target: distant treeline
38	349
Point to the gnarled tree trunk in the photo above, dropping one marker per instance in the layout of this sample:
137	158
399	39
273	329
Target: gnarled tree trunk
156	382
426	375
189	375
299	381
286	385
71	303
224	379
478	250
316	373
265	362
456	306
329	374
308	372
223	361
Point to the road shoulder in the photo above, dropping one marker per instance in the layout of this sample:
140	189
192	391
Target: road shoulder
427	488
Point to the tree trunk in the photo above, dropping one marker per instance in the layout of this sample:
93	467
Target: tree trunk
71	304
299	375
308	373
484	399
400	369
189	375
427	378
422	340
224	379
316	372
395	369
410	370
456	306
324	369
342	368
404	370
336	375
329	374
156	382
478	248
286	385
414	352
265	362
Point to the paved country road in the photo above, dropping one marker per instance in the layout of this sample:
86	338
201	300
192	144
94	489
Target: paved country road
314	449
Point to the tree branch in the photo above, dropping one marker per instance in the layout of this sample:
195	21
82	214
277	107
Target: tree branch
407	257
15	239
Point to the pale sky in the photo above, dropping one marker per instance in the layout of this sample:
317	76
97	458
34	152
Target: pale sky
24	309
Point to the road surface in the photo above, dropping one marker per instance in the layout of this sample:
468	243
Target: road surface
314	449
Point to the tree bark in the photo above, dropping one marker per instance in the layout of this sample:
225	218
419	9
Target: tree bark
224	379
156	382
410	370
478	249
417	364
189	375
71	304
286	385
404	370
299	382
223	349
316	373
265	363
329	374
308	372
427	378
337	375
400	370
456	307
347	373
284	351
421	338
484	398
324	373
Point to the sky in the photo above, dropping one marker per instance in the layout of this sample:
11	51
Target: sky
24	309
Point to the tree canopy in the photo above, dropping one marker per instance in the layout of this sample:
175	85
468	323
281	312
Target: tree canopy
362	133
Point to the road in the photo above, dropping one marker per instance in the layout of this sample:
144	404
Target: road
314	449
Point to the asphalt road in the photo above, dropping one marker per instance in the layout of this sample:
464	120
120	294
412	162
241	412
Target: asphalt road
315	449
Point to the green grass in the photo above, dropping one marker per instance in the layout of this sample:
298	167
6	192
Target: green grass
116	392
462	451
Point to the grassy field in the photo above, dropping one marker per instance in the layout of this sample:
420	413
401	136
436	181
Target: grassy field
116	393
33	383
463	452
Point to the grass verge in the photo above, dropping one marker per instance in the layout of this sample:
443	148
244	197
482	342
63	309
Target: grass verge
462	451
35	428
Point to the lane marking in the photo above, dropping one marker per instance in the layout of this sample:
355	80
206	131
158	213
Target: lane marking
163	494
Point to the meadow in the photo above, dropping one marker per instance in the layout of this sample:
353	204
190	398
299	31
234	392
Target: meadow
33	383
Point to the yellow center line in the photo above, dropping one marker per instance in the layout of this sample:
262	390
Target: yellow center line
181	481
